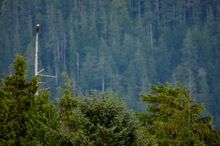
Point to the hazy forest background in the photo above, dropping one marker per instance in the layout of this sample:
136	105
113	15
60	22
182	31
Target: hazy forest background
123	45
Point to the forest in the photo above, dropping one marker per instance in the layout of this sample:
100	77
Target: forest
118	45
28	116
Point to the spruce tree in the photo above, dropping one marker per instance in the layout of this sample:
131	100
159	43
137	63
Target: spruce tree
175	119
26	118
102	120
17	98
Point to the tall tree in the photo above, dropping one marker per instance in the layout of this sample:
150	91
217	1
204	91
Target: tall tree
18	98
26	119
189	63
66	105
175	119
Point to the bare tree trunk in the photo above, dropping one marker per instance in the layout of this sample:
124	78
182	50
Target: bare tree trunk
57	60
77	74
151	36
158	15
103	73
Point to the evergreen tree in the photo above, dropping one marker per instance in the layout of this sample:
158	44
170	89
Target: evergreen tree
98	119
77	26
26	119
18	96
189	63
90	74
103	120
175	119
66	105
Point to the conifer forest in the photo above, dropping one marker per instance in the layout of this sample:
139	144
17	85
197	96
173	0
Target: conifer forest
124	72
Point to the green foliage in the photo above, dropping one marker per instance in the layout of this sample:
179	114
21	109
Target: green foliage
26	119
104	120
175	119
174	38
66	105
29	119
17	98
98	119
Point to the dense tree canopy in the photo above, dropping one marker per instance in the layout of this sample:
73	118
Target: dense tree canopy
105	121
122	45
27	118
30	119
99	119
175	119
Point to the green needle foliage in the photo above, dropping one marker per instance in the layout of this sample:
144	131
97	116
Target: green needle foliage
26	119
67	103
175	119
99	119
30	119
103	120
17	98
121	45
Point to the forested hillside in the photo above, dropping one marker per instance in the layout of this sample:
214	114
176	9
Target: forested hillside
123	45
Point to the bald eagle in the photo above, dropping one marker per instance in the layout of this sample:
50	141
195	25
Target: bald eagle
37	28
